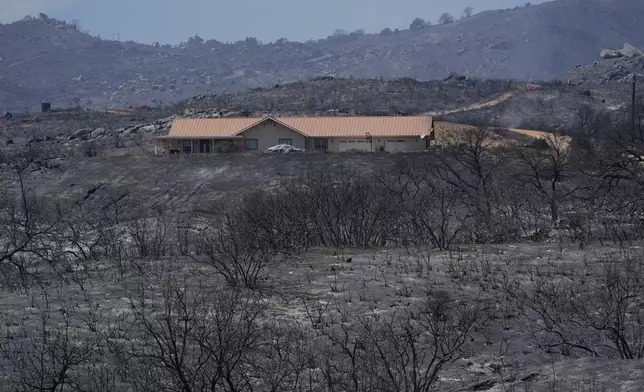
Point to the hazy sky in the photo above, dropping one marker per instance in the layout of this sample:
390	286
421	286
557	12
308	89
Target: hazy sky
173	21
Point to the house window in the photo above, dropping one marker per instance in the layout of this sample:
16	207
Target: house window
321	144
285	141
204	146
223	145
187	146
251	144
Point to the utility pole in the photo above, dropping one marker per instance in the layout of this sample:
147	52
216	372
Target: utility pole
633	104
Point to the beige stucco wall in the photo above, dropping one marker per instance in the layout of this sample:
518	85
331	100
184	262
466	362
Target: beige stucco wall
175	144
334	143
410	144
268	134
165	145
172	144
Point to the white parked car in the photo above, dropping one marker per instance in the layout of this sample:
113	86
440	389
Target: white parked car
284	148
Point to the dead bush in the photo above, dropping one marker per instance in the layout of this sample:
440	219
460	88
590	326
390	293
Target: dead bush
53	346
586	311
195	336
29	228
232	247
286	358
404	351
90	149
150	234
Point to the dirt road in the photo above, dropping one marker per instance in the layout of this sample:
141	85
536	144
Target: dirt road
477	106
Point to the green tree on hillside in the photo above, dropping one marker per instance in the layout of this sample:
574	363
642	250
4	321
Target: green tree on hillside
418	24
446	19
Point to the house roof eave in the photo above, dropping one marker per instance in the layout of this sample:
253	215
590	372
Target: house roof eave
272	119
168	137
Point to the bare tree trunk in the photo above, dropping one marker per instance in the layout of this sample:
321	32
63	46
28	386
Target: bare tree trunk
554	206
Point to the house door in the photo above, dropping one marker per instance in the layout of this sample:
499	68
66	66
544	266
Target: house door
395	145
204	146
322	144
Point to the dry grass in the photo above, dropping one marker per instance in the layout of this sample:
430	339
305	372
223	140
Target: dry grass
499	358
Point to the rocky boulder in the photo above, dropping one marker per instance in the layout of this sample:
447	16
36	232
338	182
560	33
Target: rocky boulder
165	122
98	132
80	134
455	76
631	51
132	130
610	53
627	51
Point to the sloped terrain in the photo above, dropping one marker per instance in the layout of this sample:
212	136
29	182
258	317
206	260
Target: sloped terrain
44	59
607	71
610	80
70	132
184	182
359	96
321	292
552	108
503	104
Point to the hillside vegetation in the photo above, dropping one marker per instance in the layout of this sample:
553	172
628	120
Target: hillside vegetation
45	59
357	96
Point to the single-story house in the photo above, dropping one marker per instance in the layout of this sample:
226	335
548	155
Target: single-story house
335	134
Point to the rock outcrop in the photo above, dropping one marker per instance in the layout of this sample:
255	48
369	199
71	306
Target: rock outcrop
627	51
616	71
98	132
80	134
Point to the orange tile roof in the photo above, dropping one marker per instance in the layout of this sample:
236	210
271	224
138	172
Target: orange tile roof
308	126
531	133
360	126
210	127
